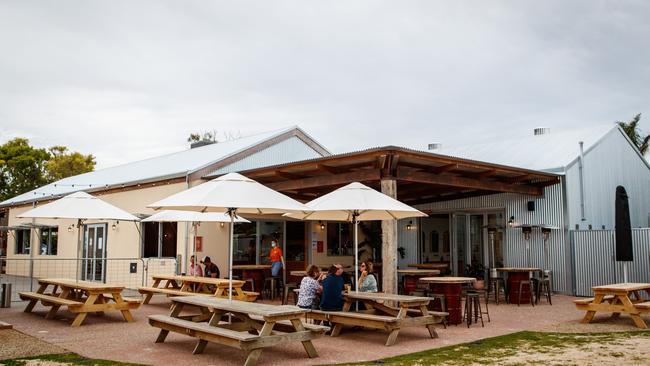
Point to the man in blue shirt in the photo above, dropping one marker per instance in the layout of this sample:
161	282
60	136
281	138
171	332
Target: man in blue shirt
332	298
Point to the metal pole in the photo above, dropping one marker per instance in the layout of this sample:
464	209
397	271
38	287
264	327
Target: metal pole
232	212
194	227
625	272
77	264
356	252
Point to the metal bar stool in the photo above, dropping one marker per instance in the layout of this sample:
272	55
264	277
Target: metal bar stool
473	308
269	288
288	289
531	291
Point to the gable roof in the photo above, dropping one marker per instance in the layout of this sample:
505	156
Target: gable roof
169	166
550	152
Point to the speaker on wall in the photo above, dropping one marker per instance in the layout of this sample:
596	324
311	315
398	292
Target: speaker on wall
531	205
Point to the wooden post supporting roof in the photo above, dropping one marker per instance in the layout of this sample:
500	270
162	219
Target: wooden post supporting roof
389	243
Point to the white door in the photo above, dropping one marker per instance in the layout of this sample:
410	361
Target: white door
94	253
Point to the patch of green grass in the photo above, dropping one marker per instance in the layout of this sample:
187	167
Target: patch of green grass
490	351
66	358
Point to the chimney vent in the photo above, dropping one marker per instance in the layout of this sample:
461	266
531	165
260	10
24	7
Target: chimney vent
542	131
435	146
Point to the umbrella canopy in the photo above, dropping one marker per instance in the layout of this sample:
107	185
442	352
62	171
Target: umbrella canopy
356	202
191	216
367	203
79	205
231	191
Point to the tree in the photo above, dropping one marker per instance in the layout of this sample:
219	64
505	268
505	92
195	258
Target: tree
22	168
66	164
635	134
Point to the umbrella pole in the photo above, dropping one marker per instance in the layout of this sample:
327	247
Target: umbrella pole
232	213
194	226
356	253
77	264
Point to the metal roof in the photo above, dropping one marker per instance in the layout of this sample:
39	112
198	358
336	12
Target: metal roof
173	165
550	152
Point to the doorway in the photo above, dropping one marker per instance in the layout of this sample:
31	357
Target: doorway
478	241
94	253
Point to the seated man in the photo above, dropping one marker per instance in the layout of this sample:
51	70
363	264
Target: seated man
211	269
332	298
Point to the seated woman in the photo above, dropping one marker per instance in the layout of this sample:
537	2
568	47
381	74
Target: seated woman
332	297
310	287
367	281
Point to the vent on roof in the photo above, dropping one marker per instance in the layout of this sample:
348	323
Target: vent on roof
435	146
542	131
201	143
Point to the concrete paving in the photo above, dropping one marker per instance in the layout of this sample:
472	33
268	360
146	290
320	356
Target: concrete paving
109	337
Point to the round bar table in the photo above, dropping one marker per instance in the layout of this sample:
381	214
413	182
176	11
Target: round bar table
411	277
254	271
451	287
516	275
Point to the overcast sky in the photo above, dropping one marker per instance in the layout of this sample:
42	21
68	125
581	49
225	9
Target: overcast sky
126	80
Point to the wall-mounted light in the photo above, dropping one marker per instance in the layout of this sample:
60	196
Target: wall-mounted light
511	221
115	224
222	224
409	226
322	226
70	227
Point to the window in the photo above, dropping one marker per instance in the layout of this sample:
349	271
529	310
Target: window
159	239
49	240
339	239
23	241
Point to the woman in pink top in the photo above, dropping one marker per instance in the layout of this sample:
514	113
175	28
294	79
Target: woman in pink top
195	269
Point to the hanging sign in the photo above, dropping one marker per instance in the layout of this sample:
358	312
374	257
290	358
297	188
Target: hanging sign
198	241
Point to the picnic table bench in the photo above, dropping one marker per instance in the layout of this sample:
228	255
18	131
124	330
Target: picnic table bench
257	326
79	297
411	311
173	285
616	299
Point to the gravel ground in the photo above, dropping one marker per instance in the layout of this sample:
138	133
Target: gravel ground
16	344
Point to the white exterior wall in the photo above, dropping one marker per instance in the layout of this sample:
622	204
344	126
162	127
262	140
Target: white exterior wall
289	150
610	163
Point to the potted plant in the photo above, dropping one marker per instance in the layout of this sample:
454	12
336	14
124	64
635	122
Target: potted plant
476	270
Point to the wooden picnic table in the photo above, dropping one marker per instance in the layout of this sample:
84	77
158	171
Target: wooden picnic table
173	285
255	271
410	311
516	275
80	297
451	287
410	277
257	325
616	299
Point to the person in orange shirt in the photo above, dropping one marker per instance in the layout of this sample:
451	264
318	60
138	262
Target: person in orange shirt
277	259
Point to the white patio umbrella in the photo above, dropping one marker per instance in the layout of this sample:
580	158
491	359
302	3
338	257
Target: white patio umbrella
353	203
233	194
79	206
191	216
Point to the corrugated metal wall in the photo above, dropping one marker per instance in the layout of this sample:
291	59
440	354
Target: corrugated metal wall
549	210
289	150
611	163
594	260
409	240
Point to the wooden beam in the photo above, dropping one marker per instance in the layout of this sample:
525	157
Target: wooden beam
287	175
329	180
444	168
329	169
449	197
466	183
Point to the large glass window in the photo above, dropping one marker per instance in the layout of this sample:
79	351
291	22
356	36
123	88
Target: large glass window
160	239
296	241
23	241
339	238
244	243
269	231
49	241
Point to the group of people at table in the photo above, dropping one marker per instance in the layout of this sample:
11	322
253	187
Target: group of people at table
324	290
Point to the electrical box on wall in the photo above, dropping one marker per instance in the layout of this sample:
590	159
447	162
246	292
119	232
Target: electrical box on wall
133	268
531	205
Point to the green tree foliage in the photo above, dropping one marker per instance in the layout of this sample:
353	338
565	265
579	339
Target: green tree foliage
635	134
22	167
66	164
